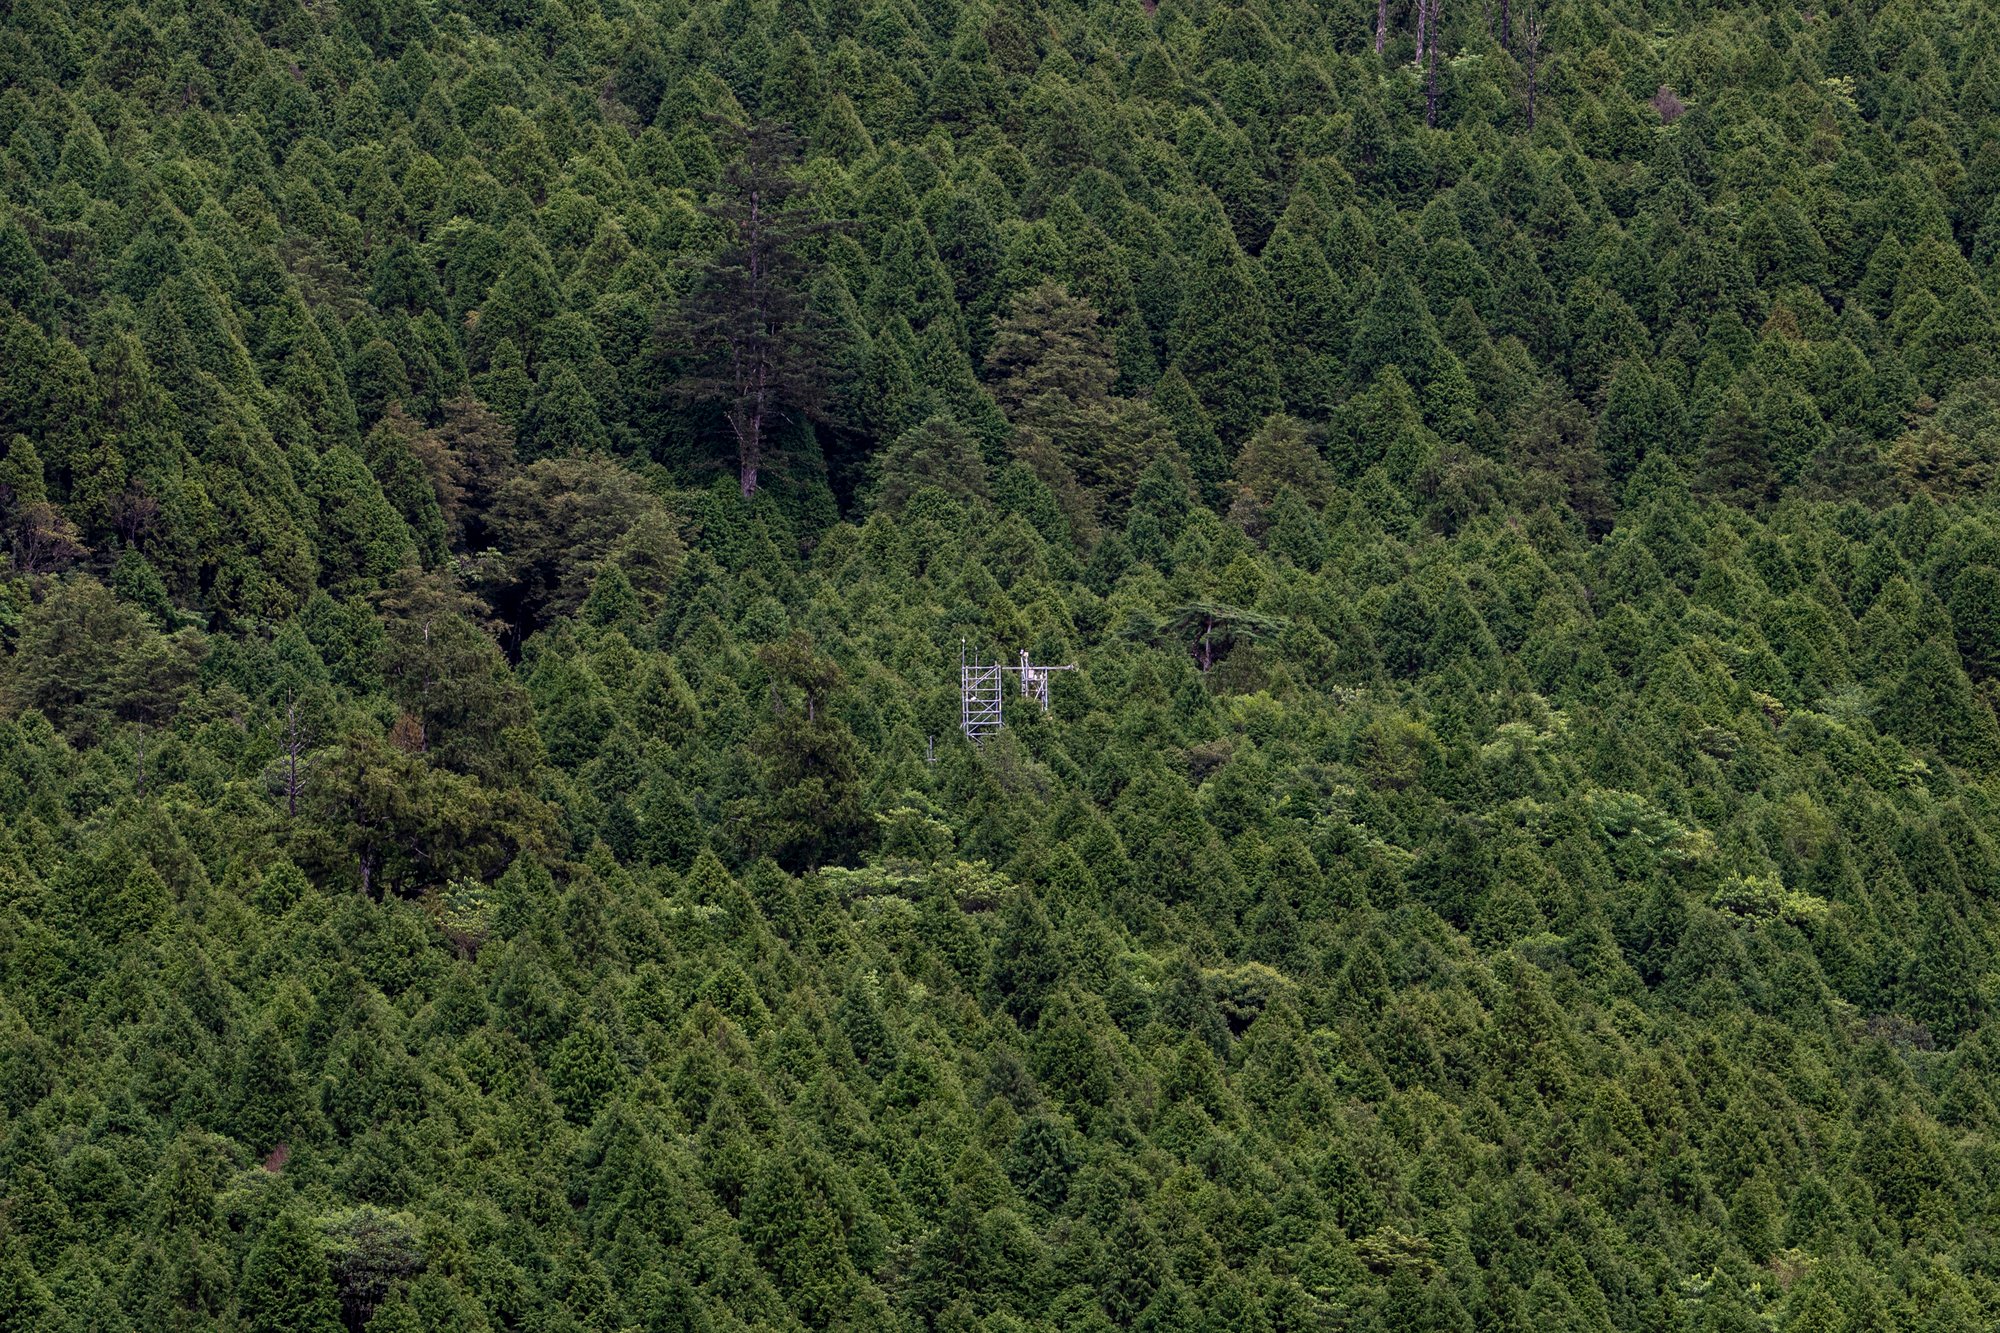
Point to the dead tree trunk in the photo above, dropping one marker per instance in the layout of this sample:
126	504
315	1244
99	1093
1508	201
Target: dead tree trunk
1381	24
1427	23
294	779
1534	44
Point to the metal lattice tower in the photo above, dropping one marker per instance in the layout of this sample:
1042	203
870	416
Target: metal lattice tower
978	698
981	691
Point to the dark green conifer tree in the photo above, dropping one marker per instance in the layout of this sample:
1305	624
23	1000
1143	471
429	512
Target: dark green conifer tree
286	1287
1221	340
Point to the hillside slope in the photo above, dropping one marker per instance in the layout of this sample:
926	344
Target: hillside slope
485	840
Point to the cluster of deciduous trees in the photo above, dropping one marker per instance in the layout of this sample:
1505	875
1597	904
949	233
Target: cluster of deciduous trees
490	496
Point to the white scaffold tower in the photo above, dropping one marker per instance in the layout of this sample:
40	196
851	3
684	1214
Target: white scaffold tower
981	691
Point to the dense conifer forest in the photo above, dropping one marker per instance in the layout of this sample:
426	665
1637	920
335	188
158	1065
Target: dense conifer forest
492	493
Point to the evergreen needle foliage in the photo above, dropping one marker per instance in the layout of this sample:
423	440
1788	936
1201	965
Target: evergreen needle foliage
491	496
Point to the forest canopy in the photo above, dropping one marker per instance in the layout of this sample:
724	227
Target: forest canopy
492	493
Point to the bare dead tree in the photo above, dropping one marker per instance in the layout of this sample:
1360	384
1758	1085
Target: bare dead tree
294	762
1428	12
1534	45
1506	26
1423	22
1381	24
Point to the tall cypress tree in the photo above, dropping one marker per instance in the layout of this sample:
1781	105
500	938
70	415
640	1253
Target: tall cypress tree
362	539
1194	431
1396	330
1221	340
1736	458
1642	416
795	1219
286	1287
742	330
